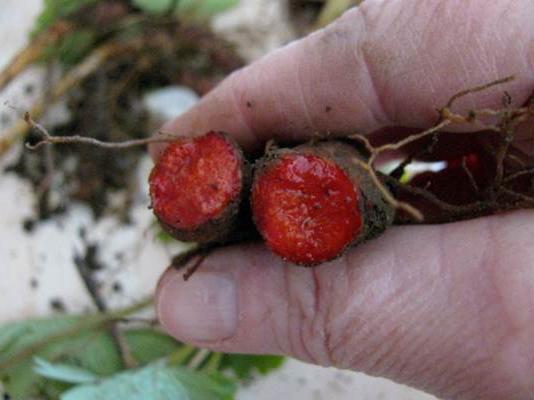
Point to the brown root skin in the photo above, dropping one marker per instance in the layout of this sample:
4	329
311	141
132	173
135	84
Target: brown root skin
222	229
377	214
215	230
234	225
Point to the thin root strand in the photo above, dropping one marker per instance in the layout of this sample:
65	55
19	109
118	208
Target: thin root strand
77	139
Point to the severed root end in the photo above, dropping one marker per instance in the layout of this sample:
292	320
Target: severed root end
196	187
312	203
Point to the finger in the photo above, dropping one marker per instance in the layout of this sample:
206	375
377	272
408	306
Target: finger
447	308
383	63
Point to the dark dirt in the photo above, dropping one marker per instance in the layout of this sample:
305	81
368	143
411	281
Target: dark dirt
304	13
57	305
89	261
106	106
117	287
28	225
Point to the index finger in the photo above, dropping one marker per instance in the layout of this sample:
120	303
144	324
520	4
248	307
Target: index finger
385	63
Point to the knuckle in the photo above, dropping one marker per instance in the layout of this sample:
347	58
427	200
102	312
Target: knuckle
317	326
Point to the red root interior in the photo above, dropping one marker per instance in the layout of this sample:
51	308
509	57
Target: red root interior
195	180
306	208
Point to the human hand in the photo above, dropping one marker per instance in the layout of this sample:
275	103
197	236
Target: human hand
446	308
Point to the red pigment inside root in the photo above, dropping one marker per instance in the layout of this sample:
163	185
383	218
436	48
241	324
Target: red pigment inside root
306	208
195	180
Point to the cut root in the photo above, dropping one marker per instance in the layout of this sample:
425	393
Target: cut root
313	202
383	199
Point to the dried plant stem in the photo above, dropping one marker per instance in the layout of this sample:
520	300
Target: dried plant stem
213	363
70	80
33	52
198	358
91	285
180	356
125	352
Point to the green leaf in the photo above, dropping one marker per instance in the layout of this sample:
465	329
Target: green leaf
201	386
56	9
63	372
193	9
164	237
156	382
148	345
153	382
245	366
204	8
72	48
154	6
91	350
91	353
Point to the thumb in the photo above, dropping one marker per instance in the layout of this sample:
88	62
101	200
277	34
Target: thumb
448	308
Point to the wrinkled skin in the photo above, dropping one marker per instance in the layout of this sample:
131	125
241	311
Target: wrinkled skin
447	308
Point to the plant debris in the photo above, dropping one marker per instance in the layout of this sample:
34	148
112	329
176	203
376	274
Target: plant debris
121	53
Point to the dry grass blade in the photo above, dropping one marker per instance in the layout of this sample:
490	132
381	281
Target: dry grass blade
70	80
33	52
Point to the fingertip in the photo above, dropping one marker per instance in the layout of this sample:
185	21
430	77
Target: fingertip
167	274
224	305
200	310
